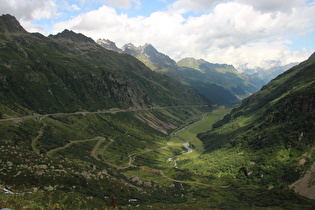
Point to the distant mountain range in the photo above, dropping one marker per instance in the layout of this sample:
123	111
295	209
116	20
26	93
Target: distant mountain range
220	83
266	75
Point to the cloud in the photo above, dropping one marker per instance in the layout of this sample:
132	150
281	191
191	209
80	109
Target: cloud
75	7
122	4
27	10
233	24
95	21
233	32
183	6
274	5
256	55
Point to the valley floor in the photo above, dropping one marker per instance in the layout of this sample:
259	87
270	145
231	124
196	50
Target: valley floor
170	172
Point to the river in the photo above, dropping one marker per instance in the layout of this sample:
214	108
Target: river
186	144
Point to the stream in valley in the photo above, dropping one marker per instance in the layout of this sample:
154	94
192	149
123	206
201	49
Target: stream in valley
186	143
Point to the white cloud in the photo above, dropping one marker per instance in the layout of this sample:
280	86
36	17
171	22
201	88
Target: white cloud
233	24
27	10
274	5
183	6
233	32
91	23
256	55
75	7
123	4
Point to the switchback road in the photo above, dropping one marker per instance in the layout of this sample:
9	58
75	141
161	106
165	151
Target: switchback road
109	111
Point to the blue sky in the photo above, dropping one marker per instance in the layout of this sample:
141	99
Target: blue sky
238	32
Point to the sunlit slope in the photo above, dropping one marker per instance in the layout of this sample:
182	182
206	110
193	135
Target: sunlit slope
271	135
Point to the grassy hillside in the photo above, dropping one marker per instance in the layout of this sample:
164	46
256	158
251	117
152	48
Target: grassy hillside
73	117
269	139
222	75
69	72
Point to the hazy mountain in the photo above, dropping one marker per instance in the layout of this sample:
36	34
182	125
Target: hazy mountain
273	132
223	75
220	83
266	75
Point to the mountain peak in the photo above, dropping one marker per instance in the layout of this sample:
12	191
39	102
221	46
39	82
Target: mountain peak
129	46
190	62
109	45
8	23
131	49
148	48
71	35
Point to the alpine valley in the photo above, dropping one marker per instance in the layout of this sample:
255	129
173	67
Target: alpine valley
220	83
86	125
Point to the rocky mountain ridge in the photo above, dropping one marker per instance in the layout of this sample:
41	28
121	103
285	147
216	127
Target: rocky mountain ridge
220	83
107	44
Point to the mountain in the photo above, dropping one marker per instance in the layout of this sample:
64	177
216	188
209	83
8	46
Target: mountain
266	75
221	75
253	79
82	127
107	44
219	83
74	116
148	52
271	136
69	72
8	24
149	56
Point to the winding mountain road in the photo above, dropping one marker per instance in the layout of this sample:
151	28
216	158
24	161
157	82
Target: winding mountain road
49	153
109	111
100	140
